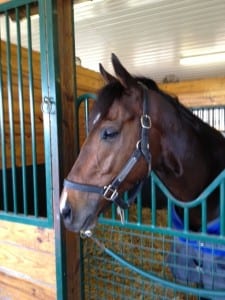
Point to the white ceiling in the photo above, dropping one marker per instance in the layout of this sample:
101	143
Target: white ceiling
150	36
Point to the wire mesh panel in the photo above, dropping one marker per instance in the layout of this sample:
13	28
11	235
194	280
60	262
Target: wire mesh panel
106	278
152	253
151	257
22	148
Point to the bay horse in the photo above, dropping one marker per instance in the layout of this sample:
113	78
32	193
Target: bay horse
136	127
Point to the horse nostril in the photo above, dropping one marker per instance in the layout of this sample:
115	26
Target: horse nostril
67	213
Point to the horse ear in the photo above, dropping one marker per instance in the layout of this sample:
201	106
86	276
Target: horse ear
126	79
106	76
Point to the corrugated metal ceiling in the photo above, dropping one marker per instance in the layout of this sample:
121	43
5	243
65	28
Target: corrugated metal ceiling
150	36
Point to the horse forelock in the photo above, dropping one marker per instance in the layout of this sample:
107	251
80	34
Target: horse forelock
105	99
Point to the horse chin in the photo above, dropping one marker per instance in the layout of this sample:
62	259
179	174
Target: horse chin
88	225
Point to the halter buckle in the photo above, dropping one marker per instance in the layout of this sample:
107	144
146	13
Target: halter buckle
110	193
146	121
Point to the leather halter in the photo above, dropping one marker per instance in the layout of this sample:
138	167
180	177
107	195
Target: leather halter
110	192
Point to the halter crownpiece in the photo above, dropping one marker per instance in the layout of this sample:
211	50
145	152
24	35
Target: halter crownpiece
110	192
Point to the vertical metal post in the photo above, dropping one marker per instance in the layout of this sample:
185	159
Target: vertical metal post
68	132
2	136
49	73
186	219
57	61
204	215
32	110
86	114
21	113
153	199
11	117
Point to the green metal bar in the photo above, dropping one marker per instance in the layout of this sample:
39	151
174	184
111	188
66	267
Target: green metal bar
11	118
14	3
29	220
21	113
50	88
86	115
153	198
211	187
204	216
169	213
139	209
82	273
85	98
16	6
48	84
2	136
186	219
165	231
126	211
32	111
113	211
82	98
164	282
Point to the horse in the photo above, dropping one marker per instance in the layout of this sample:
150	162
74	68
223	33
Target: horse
136	127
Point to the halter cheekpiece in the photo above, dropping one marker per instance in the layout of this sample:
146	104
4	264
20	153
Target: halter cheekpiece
110	192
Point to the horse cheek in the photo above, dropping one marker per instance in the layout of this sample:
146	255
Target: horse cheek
108	165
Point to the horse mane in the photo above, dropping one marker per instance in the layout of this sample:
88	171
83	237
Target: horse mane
199	126
212	140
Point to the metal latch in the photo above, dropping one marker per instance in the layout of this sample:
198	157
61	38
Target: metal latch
47	105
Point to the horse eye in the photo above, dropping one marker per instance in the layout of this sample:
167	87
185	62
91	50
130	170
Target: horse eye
109	133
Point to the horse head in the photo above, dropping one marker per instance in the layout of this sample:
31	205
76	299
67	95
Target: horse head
115	135
134	126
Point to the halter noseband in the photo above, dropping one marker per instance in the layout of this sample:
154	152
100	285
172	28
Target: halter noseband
110	192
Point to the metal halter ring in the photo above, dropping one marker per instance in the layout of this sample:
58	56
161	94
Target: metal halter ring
139	143
110	193
146	121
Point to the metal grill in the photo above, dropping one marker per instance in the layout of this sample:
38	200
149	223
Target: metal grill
151	259
213	115
146	257
108	278
23	170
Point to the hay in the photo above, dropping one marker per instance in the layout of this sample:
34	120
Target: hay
104	278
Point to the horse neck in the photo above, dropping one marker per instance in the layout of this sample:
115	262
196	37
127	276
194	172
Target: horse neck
177	156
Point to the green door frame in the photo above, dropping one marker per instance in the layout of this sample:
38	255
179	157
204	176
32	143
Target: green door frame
57	29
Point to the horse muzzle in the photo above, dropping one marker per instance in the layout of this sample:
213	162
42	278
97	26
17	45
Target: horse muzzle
76	220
